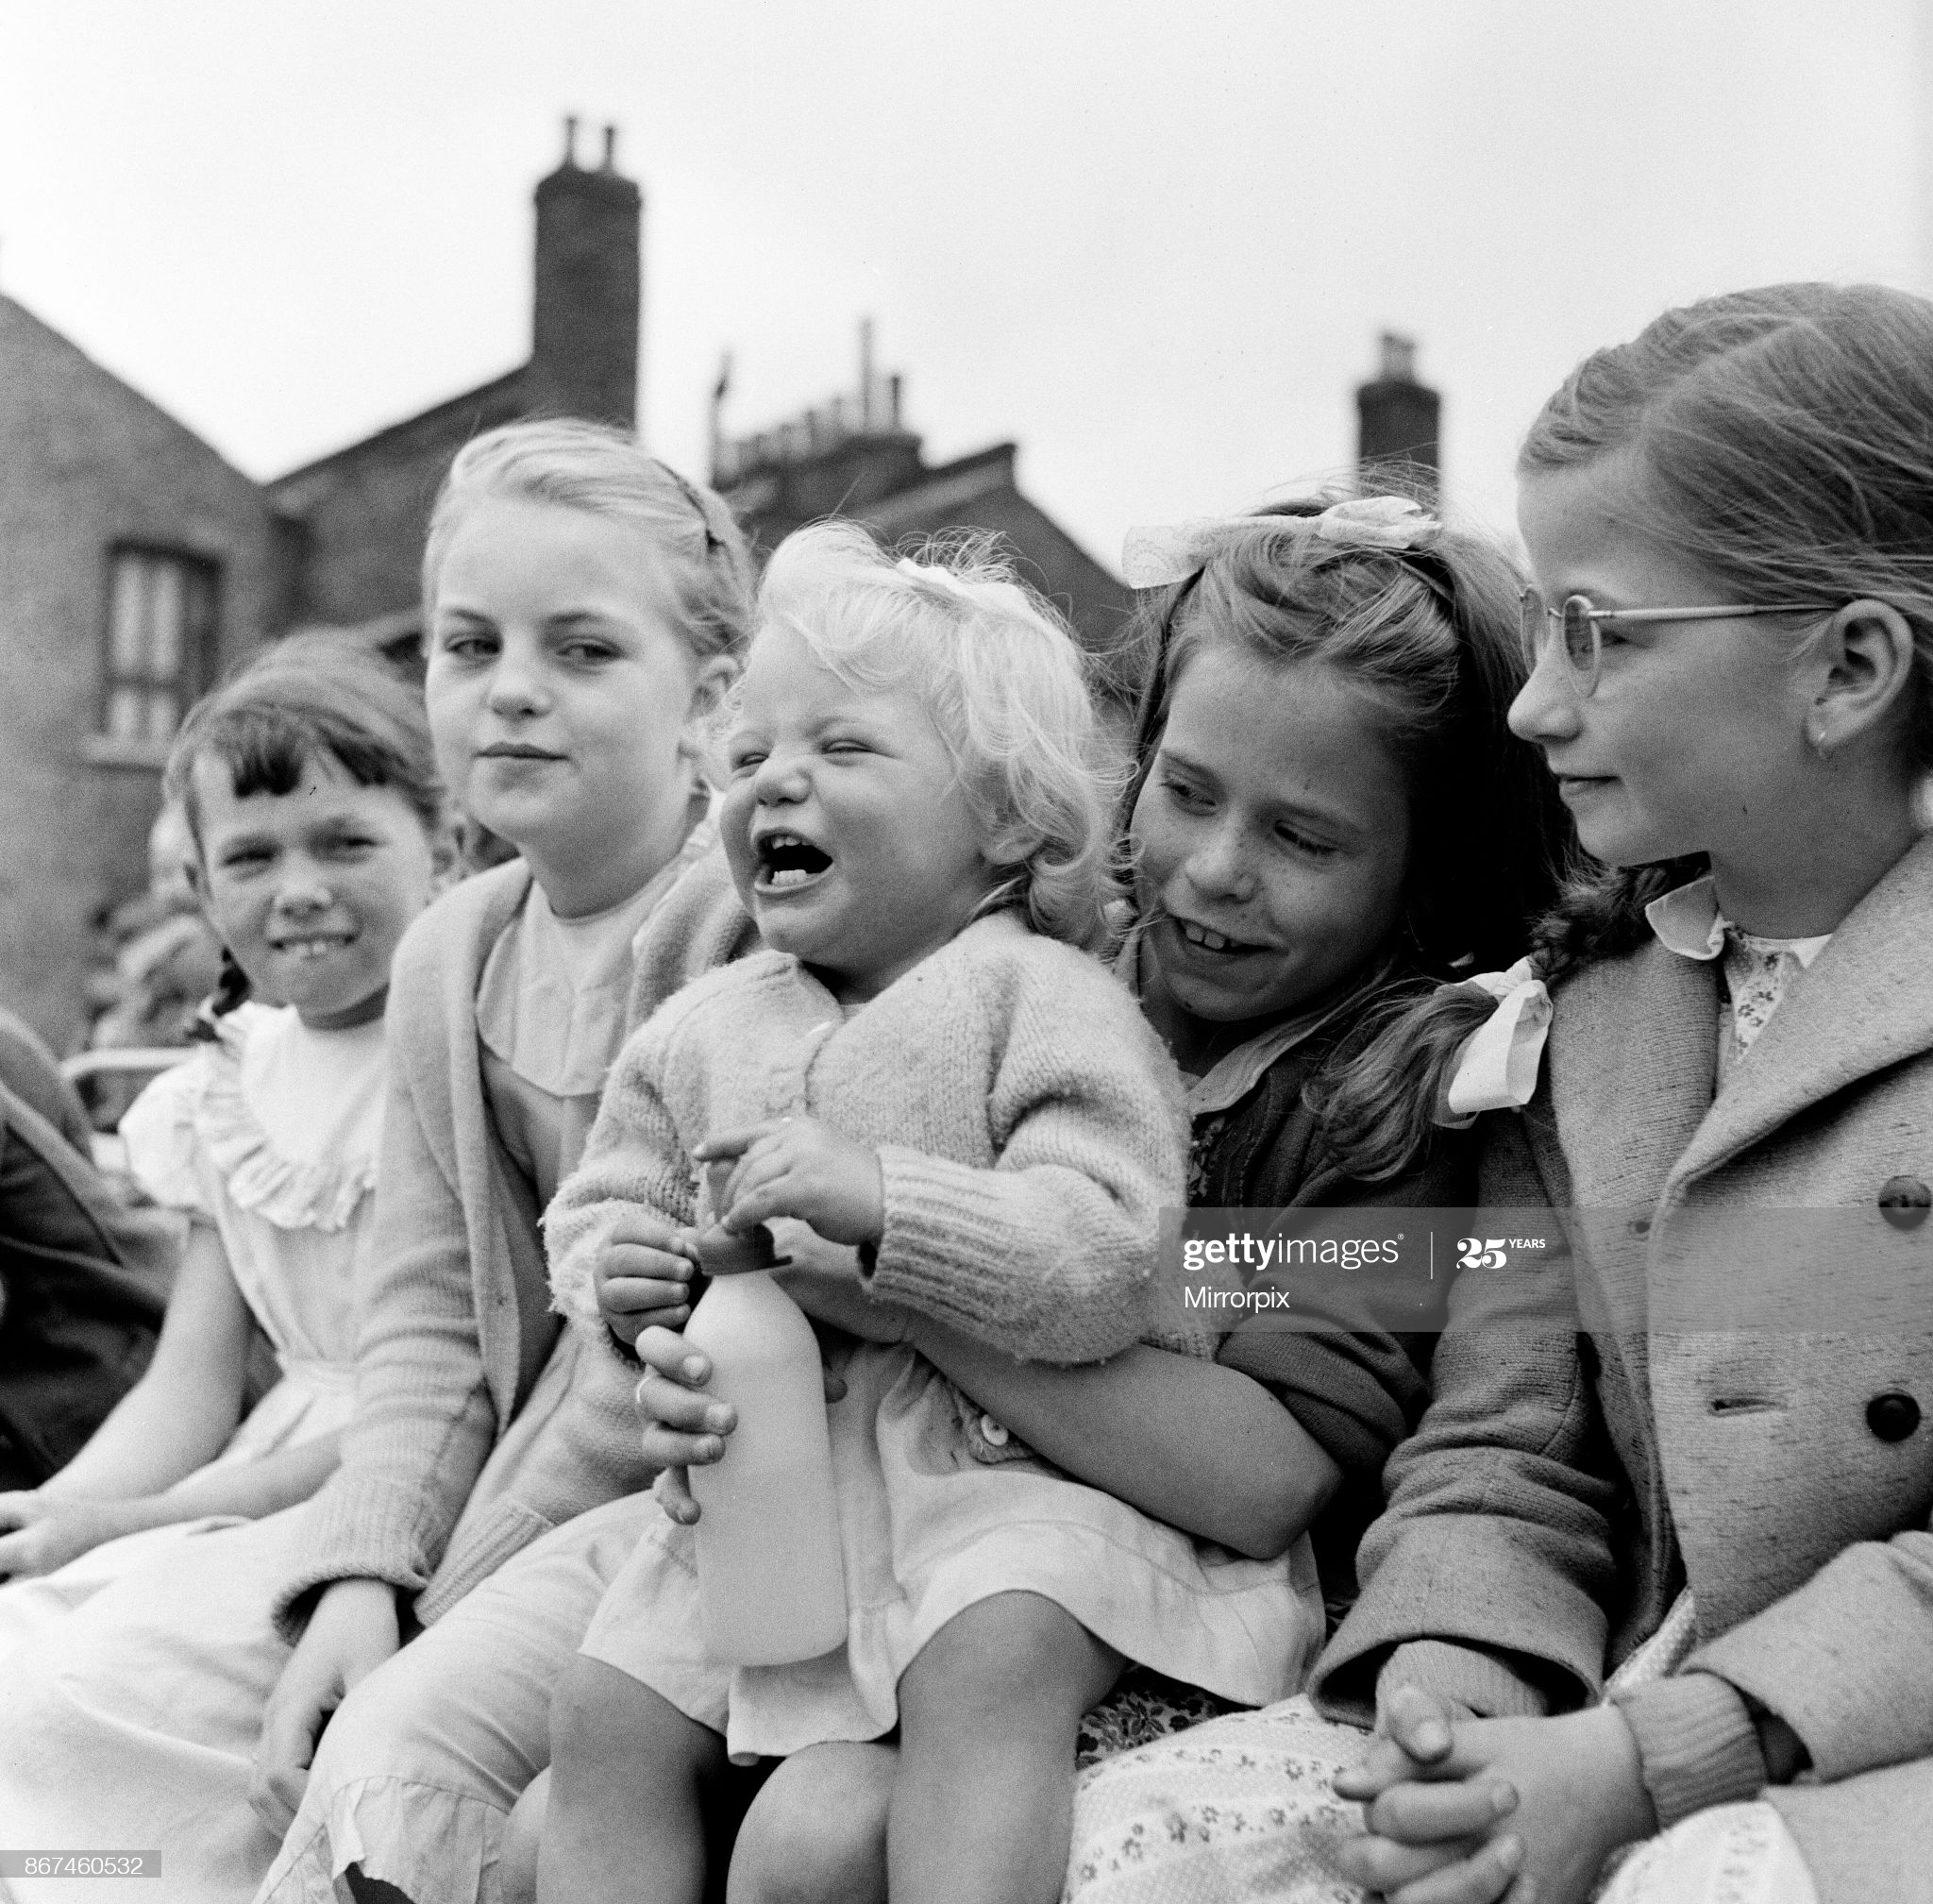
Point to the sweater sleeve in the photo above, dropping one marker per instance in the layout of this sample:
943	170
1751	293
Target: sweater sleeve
424	1421
1050	1253
1845	1661
1697	1746
1499	1532
633	1160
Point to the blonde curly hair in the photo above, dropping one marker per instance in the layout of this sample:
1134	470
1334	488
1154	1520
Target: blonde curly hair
1003	679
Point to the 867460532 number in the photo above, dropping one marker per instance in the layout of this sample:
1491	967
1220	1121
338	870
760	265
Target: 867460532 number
80	1863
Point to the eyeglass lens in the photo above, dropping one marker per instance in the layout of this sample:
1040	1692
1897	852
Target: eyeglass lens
1580	635
1577	626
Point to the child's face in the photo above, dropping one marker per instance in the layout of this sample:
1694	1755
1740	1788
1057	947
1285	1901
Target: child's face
311	889
1694	737
849	839
558	687
1271	839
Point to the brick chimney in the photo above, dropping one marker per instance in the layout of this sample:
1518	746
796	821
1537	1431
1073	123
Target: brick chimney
584	324
1397	416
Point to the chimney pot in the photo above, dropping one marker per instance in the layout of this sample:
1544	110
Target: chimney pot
585	319
610	148
1398	419
1399	357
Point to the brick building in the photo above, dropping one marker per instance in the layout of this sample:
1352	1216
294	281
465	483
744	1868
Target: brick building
137	565
853	457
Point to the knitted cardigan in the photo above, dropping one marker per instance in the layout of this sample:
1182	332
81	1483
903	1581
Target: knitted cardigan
435	1491
1029	1127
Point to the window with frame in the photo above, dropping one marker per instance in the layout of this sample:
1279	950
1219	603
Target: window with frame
161	607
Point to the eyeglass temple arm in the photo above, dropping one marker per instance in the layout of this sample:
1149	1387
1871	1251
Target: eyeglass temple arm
1726	609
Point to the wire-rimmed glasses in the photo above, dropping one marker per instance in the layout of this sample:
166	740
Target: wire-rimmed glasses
1579	620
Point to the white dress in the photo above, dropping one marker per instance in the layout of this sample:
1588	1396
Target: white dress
272	1136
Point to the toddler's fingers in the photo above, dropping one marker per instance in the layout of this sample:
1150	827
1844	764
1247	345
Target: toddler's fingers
1483	1877
733	1143
1420	1723
760	1198
1381	1865
1385	1765
651	1232
620	1260
640	1296
1416	1813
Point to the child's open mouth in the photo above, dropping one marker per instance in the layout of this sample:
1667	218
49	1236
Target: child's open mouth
786	861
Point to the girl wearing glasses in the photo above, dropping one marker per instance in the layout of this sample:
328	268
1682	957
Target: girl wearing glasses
1692	1452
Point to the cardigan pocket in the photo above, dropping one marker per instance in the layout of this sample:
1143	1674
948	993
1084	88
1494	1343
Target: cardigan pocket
507	1529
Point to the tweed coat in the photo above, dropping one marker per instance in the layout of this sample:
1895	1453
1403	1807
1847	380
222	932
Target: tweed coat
1573	1472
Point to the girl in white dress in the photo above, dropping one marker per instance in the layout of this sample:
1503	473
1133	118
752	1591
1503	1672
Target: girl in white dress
310	789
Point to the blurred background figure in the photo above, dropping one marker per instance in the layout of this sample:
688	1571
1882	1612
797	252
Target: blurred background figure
84	1274
162	959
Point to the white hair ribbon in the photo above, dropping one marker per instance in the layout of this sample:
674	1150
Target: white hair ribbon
1154	556
1496	1069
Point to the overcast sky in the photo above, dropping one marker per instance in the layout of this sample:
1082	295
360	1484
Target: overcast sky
1153	242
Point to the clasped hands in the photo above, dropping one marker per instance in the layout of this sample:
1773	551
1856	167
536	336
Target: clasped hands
1464	1810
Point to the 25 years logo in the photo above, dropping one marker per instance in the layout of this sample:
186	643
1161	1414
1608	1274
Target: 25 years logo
1481	1253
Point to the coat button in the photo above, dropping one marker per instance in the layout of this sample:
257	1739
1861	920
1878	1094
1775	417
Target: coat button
1905	1201
1640	1227
1893	1416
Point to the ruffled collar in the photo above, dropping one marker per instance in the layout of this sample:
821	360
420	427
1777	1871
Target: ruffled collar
1687	921
322	1194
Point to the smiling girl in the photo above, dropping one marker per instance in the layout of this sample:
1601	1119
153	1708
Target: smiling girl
583	604
1653	1579
317	827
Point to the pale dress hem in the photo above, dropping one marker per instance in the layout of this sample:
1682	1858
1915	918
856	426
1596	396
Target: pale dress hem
435	1844
1241	1809
1249	1646
928	1529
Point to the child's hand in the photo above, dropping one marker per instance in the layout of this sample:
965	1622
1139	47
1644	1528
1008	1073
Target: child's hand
823	1279
643	1275
682	1425
47	1534
1526	1805
802	1168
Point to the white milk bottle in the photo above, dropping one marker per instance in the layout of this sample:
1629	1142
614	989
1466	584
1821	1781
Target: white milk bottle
771	1579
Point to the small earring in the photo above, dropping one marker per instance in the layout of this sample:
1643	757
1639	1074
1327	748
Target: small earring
1816	741
1923	803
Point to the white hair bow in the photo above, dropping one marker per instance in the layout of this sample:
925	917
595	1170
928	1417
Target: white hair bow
1496	1069
1152	558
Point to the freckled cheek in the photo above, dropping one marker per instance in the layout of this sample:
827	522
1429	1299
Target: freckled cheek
1156	852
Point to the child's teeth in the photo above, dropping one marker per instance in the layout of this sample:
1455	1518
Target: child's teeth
791	875
1209	941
